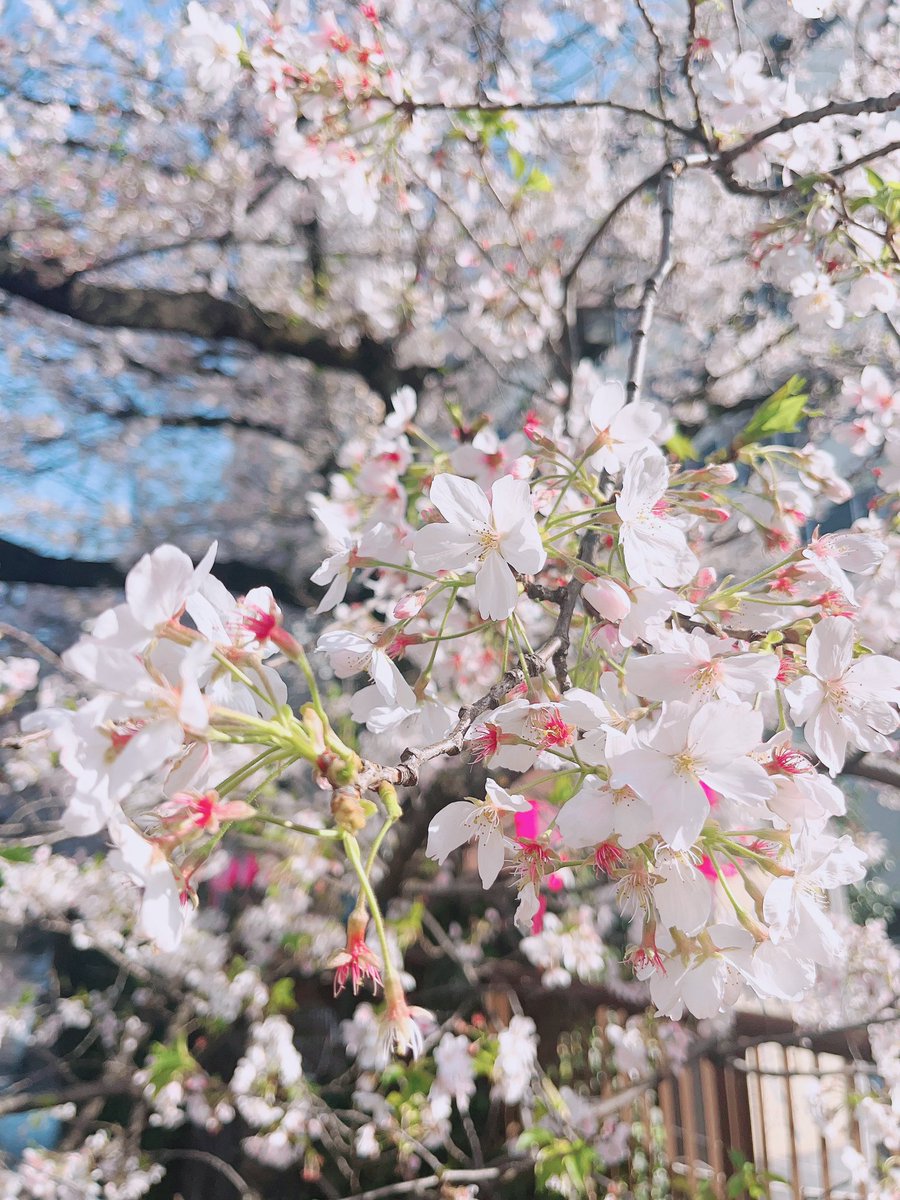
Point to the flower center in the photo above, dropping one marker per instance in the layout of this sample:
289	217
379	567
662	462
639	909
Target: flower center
684	765
488	541
556	731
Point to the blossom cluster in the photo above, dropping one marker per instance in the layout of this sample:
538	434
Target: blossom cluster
559	574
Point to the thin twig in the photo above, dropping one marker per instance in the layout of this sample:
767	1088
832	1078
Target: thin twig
638	359
212	1160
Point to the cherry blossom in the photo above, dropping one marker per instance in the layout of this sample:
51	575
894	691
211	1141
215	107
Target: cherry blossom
841	702
480	819
686	750
655	549
496	537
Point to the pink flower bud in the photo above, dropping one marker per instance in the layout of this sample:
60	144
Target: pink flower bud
721	473
608	597
706	577
410	605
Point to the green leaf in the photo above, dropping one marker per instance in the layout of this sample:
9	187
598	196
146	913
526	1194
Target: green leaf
170	1062
535	1137
281	996
682	447
781	413
517	163
17	854
538	181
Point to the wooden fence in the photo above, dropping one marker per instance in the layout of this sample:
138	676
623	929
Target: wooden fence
763	1104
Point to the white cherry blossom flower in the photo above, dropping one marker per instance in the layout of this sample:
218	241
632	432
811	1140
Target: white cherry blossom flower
834	554
687	749
486	458
162	913
212	47
697	667
455	1065
516	1064
480	819
816	306
350	551
684	897
841	702
494	537
620	429
793	906
598	812
656	550
607	597
404	404
350	653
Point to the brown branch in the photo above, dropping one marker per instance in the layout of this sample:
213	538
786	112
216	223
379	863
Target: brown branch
538	106
201	421
411	761
837	108
21	564
805	181
415	1187
878	769
76	1094
199	314
217	1164
638	358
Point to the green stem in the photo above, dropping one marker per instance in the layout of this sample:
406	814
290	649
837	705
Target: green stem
231	782
296	827
351	849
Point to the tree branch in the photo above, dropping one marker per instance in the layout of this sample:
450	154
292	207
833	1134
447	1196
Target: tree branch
837	108
539	106
201	421
638	358
877	768
20	564
199	314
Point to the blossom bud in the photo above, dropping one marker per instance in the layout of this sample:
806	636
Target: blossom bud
314	727
535	433
721	474
706	577
312	1166
349	810
410	605
759	932
608	598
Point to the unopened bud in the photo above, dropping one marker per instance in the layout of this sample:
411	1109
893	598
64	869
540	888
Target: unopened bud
349	810
608	598
314	727
410	605
388	795
759	932
721	473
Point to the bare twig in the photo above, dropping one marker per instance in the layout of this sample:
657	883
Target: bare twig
217	1164
415	1187
837	108
638	359
548	106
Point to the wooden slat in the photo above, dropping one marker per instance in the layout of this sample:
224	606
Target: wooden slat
715	1153
753	1066
666	1094
823	1148
855	1134
792	1127
688	1125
